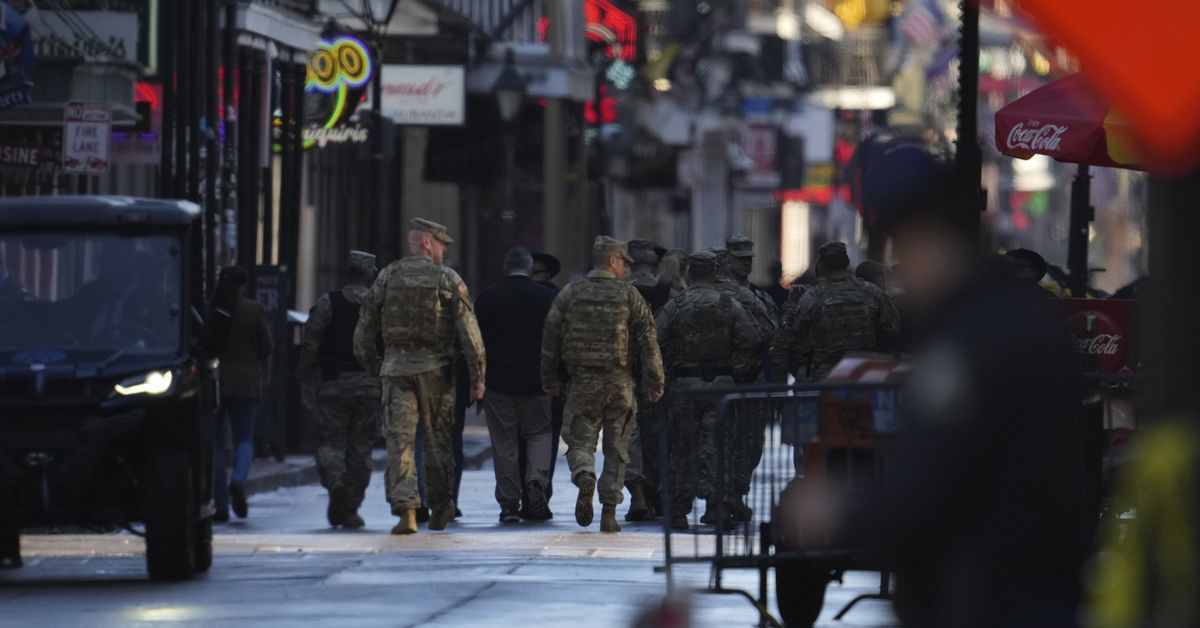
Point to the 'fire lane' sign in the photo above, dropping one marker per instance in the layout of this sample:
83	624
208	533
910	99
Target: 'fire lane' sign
87	129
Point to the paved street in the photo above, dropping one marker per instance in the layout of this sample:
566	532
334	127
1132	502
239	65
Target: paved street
285	566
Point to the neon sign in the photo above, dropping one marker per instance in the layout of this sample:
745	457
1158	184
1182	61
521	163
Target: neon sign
336	67
608	25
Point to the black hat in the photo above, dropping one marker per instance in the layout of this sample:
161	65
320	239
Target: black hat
1030	259
552	264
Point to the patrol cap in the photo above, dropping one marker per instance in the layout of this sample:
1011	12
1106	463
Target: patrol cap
604	245
705	258
363	260
434	229
740	246
833	255
636	245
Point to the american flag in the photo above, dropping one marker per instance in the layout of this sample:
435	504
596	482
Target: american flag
923	23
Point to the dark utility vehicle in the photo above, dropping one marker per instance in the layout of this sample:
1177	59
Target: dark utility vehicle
106	400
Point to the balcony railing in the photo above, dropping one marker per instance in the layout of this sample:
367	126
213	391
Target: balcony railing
303	7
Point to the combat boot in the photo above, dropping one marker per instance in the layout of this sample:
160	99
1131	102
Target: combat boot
639	510
350	519
608	518
337	506
442	518
583	504
408	522
740	511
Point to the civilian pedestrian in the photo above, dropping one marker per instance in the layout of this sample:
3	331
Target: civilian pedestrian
511	315
240	337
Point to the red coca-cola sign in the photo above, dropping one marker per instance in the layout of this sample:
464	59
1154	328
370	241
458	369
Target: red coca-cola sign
1101	332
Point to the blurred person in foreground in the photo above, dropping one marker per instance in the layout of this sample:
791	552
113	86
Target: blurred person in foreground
982	512
343	396
511	314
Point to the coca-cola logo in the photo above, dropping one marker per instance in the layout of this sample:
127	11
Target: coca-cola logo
1045	138
1103	344
1099	340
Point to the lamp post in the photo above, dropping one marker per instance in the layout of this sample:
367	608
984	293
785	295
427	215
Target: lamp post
510	91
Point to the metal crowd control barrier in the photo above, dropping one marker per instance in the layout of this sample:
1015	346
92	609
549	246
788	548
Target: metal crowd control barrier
771	430
763	435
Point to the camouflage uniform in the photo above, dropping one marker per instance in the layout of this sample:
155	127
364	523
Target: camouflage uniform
750	428
347	402
840	314
595	326
643	443
707	341
424	314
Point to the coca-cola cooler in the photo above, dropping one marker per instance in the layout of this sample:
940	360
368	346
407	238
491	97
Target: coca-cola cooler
1104	335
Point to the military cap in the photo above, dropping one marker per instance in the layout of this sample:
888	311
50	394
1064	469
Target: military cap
740	246
833	255
363	260
432	228
704	258
640	245
607	245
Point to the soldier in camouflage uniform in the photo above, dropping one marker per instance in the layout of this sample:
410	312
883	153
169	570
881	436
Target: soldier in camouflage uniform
641	475
707	340
749	430
425	317
595	327
343	397
740	265
840	314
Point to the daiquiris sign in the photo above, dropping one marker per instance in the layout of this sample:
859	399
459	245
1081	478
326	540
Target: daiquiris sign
337	72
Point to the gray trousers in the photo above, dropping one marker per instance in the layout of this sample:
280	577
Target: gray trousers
515	422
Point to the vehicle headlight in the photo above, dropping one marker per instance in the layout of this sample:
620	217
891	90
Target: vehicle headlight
153	383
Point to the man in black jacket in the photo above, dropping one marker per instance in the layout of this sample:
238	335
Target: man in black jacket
511	314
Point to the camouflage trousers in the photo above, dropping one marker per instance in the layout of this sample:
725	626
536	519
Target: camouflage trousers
595	404
643	448
748	439
427	398
694	442
347	422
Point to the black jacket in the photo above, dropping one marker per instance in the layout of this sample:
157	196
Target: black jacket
511	314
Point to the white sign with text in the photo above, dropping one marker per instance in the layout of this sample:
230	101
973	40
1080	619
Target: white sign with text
423	95
87	134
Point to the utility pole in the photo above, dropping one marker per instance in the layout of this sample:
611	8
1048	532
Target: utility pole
967	159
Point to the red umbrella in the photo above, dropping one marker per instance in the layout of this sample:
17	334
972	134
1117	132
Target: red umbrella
1068	121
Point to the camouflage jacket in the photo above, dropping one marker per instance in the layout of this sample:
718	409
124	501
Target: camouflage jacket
705	328
840	314
595	326
763	319
308	369
424	314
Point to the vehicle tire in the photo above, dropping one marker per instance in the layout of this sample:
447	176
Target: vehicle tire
204	545
10	545
171	529
800	592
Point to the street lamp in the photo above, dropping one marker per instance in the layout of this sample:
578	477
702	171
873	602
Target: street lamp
510	91
509	88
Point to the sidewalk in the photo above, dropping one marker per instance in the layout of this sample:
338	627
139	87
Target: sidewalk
268	475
